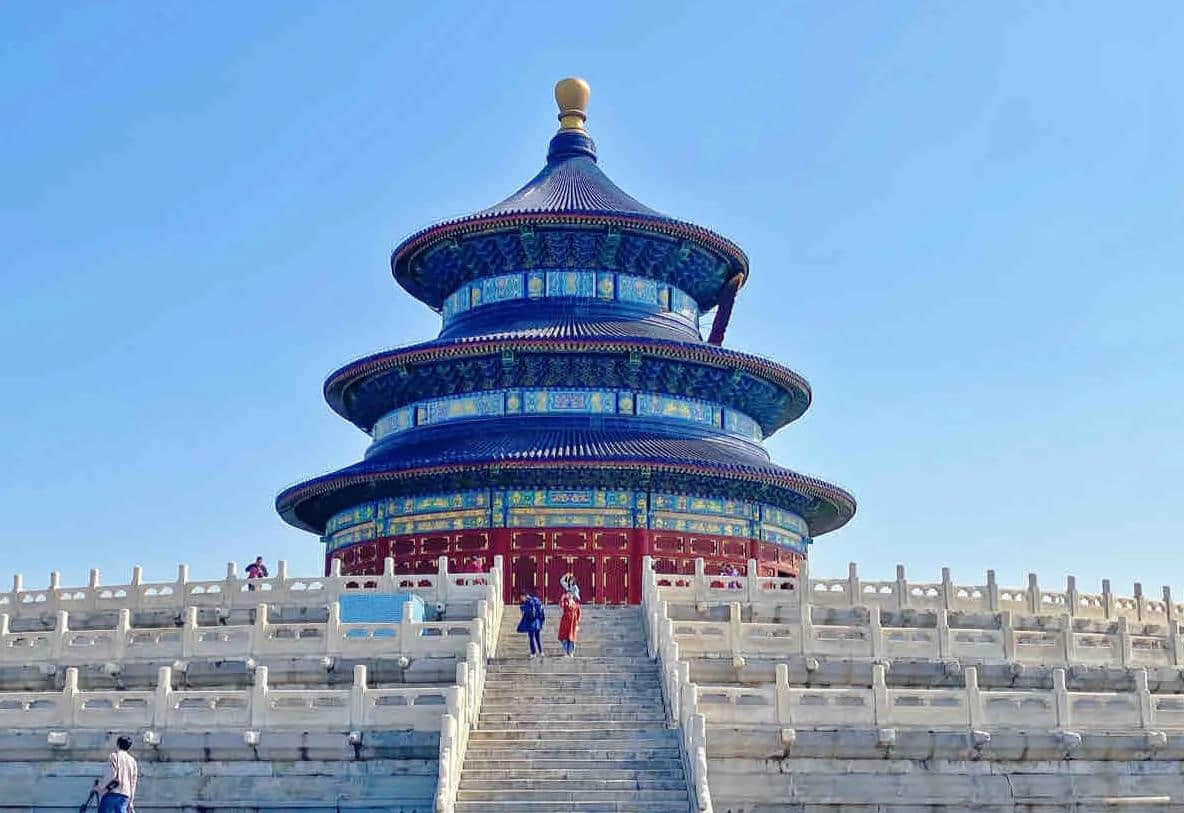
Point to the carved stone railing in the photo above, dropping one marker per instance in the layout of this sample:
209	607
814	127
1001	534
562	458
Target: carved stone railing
257	709
677	691
1054	641
262	639
701	589
969	707
237	592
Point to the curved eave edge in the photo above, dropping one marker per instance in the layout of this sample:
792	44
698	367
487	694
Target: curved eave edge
474	224
341	379
839	500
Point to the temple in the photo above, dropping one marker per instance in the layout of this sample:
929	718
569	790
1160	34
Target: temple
570	414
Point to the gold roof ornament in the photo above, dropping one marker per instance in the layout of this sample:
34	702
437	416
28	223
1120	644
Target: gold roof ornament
571	95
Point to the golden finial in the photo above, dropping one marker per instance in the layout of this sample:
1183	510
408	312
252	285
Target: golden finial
572	97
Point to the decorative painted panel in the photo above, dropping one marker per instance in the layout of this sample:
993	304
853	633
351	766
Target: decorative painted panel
586	401
682	304
354	516
781	518
358	533
501	288
684	503
691	523
398	421
637	289
687	409
565	498
783	538
478	404
571	283
573	518
740	424
582	283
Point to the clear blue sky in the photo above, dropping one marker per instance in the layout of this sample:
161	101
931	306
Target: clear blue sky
965	221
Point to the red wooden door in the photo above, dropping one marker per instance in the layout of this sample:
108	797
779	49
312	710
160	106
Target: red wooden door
524	568
615	576
584	569
556	567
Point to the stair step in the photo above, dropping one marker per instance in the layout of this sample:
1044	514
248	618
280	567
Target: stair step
575	768
529	794
593	786
516	751
616	737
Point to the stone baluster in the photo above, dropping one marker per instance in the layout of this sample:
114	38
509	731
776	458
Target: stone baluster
1072	598
61	634
189	641
358	710
875	632
182	588
806	628
387	580
499	575
259	699
735	635
992	592
444	584
1143	693
333	636
281	586
902	588
409	629
688	696
1174	640
3	625
1033	595
1124	641
230	588
853	589
752	590
54	599
1108	599
475	665
70	697
92	592
18	587
476	631
804	589
784	707
1169	607
1069	638
974	699
123	631
700	583
1007	633
947	589
696	739
1139	601
881	713
162	699
259	630
944	644
1061	696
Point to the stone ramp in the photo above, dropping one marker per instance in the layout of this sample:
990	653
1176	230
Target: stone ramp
585	734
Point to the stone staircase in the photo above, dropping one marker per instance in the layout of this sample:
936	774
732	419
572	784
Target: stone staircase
583	734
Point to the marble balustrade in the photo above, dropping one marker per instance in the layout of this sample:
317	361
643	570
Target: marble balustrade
701	588
236	592
1050	641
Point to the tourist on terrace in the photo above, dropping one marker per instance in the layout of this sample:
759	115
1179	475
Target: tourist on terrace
256	570
532	622
734	572
569	624
568	582
119	781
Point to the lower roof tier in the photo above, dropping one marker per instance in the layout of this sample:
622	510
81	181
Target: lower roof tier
369	388
568	456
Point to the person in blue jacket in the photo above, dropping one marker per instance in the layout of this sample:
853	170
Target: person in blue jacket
532	622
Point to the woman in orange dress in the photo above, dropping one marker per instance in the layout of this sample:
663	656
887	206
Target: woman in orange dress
569	624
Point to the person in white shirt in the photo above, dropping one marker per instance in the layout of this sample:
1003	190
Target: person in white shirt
119	780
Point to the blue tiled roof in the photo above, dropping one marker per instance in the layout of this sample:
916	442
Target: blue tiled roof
570	182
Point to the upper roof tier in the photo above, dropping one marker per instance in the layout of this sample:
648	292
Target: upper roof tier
570	215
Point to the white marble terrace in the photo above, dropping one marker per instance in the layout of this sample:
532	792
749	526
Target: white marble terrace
260	708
